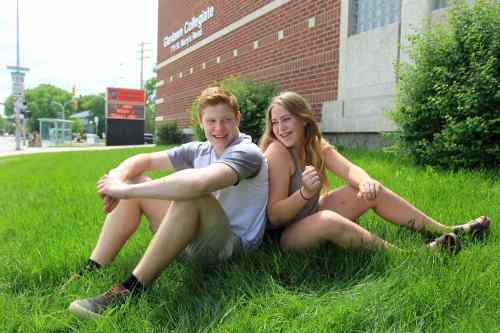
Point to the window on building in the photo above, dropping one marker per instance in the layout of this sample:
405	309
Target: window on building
370	14
438	4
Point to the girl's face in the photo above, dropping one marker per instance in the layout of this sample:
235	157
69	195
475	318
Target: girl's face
287	128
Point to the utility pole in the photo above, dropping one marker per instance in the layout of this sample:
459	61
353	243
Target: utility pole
141	58
18	88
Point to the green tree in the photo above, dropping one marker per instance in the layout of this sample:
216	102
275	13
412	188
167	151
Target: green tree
6	126
96	105
150	91
39	103
77	126
150	107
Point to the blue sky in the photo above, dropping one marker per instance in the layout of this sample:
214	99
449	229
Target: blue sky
92	44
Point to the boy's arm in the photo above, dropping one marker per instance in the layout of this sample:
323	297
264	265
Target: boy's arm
136	165
182	185
133	167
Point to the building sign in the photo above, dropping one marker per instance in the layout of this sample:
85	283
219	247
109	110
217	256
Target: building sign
17	83
125	103
192	29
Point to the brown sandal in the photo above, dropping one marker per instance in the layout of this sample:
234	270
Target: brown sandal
477	227
448	243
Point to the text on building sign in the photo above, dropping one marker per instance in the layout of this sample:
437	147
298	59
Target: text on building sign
176	39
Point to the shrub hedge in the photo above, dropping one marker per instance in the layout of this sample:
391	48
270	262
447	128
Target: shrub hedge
169	133
253	99
448	105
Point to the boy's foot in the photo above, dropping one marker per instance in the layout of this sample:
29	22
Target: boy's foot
476	228
89	267
92	308
448	243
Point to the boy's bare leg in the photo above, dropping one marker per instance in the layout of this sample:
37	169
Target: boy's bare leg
121	223
182	223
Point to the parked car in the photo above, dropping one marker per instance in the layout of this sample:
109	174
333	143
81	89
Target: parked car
148	138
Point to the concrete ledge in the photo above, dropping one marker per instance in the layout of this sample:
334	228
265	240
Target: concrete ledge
358	140
358	115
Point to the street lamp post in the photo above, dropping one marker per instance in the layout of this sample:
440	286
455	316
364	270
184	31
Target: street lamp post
96	120
18	73
63	107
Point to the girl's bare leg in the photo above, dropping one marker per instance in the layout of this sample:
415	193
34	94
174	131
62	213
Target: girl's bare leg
387	205
328	226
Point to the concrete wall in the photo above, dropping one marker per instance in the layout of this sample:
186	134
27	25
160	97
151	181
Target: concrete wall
367	79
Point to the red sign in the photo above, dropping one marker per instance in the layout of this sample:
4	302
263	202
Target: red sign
124	103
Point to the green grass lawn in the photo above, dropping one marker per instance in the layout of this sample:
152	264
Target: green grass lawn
50	217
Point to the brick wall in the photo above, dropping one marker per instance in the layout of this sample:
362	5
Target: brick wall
305	60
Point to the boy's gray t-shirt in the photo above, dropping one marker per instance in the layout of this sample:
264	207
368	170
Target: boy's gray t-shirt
245	202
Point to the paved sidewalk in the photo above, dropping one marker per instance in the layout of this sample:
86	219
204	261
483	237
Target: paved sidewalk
38	150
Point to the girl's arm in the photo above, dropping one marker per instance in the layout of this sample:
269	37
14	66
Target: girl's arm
281	208
352	174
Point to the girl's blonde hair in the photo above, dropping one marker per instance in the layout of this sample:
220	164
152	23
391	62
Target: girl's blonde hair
314	143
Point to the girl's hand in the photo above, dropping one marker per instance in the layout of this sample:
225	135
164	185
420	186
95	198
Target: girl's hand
311	182
369	189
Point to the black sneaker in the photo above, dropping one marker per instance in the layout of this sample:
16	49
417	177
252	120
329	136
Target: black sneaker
89	268
92	308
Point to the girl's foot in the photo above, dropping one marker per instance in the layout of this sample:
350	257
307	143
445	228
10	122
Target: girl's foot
476	228
448	243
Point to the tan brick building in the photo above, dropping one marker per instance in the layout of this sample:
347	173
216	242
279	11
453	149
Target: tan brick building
292	43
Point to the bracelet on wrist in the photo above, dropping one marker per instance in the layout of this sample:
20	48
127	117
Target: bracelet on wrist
303	196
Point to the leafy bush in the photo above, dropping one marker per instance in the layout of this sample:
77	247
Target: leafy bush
448	106
253	100
77	126
169	133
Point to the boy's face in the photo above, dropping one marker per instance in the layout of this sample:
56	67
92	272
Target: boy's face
220	124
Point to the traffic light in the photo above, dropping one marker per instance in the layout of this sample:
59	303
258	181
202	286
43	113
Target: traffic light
73	90
25	111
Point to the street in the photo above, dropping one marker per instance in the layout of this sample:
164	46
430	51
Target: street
8	148
7	144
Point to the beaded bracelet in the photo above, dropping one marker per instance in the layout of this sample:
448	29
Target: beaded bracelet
303	196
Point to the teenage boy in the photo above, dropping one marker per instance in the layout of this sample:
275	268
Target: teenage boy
212	207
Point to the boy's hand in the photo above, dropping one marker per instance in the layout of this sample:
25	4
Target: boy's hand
112	187
109	203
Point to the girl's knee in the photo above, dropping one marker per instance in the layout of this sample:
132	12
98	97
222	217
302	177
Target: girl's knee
382	193
330	222
316	230
338	229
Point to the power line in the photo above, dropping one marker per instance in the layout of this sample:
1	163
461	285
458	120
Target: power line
141	58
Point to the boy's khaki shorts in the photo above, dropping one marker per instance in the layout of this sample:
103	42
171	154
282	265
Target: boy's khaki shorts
213	245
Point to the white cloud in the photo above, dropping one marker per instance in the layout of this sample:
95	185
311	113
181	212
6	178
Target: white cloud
91	43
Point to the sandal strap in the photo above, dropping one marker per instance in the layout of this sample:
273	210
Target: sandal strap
480	225
449	243
476	227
